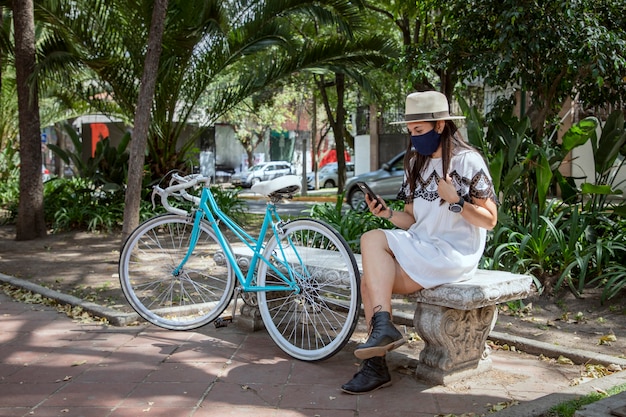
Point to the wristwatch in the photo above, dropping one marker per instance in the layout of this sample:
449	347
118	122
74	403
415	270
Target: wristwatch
457	207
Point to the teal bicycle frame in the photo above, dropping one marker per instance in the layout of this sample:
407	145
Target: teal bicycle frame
208	207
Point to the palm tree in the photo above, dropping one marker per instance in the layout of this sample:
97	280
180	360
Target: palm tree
225	51
30	219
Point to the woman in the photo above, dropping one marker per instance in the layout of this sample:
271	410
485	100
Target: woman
440	235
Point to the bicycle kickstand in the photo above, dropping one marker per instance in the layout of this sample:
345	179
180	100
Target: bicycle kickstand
224	320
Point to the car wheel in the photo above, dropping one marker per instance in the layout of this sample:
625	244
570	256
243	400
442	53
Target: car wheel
356	199
329	184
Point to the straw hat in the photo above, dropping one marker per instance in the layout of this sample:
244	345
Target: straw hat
427	106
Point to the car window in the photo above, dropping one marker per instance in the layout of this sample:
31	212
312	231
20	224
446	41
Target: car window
399	165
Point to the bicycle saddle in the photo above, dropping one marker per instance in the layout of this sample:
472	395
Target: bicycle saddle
281	187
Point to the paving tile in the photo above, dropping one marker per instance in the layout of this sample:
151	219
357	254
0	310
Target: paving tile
152	412
242	411
26	395
249	395
39	374
12	337
339	368
100	394
22	354
329	397
207	350
396	399
167	394
186	372
14	411
271	372
117	372
6	371
70	412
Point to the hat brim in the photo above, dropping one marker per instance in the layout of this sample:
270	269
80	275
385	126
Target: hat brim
428	120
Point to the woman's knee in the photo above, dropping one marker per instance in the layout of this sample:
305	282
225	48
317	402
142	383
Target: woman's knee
373	239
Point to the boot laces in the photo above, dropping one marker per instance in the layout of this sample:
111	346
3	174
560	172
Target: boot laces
371	323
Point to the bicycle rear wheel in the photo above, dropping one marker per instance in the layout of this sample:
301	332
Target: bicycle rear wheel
317	322
190	298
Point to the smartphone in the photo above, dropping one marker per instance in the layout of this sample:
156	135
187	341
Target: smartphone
367	190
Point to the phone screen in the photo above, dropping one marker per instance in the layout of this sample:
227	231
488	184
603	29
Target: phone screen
367	190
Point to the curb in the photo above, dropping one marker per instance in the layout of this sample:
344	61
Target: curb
114	317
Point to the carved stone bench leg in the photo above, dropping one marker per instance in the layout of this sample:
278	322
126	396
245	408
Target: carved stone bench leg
455	342
250	318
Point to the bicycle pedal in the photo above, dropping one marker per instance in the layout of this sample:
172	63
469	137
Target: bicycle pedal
222	321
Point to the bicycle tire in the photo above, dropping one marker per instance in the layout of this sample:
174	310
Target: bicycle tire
317	322
195	296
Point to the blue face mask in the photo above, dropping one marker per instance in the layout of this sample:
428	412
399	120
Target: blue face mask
427	143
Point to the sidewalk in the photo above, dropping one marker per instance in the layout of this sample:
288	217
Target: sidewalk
53	366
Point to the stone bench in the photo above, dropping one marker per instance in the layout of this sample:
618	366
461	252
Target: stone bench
453	320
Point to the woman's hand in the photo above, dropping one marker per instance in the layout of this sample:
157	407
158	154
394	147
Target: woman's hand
446	190
376	208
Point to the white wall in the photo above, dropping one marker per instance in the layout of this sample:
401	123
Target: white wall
362	152
583	166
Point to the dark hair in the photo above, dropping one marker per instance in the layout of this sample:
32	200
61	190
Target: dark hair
414	163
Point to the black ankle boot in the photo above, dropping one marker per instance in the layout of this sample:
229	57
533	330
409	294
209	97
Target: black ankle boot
372	375
383	337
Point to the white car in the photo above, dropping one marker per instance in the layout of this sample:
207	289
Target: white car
262	172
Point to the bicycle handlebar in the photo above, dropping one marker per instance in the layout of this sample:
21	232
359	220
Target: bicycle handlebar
178	187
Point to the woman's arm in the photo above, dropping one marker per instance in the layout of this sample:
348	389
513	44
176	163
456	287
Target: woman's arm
482	213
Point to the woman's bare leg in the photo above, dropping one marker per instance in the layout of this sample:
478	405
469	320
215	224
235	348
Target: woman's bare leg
382	275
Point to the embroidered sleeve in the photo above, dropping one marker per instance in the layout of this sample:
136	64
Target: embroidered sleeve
472	180
481	186
404	191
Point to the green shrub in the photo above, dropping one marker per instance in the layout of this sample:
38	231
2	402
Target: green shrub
77	203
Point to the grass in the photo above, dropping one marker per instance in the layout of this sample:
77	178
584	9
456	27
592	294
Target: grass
568	408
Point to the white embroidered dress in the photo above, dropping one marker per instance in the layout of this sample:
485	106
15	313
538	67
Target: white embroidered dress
442	247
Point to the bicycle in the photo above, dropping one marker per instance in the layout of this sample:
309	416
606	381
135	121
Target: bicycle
179	271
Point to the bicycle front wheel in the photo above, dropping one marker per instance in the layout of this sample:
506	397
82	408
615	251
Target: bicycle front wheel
317	322
161	292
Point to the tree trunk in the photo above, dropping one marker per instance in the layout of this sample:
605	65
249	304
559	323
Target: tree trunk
337	123
142	119
338	129
30	217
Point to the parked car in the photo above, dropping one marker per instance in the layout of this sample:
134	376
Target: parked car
328	175
385	182
264	171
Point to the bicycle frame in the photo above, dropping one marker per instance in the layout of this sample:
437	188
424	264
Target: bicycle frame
208	208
